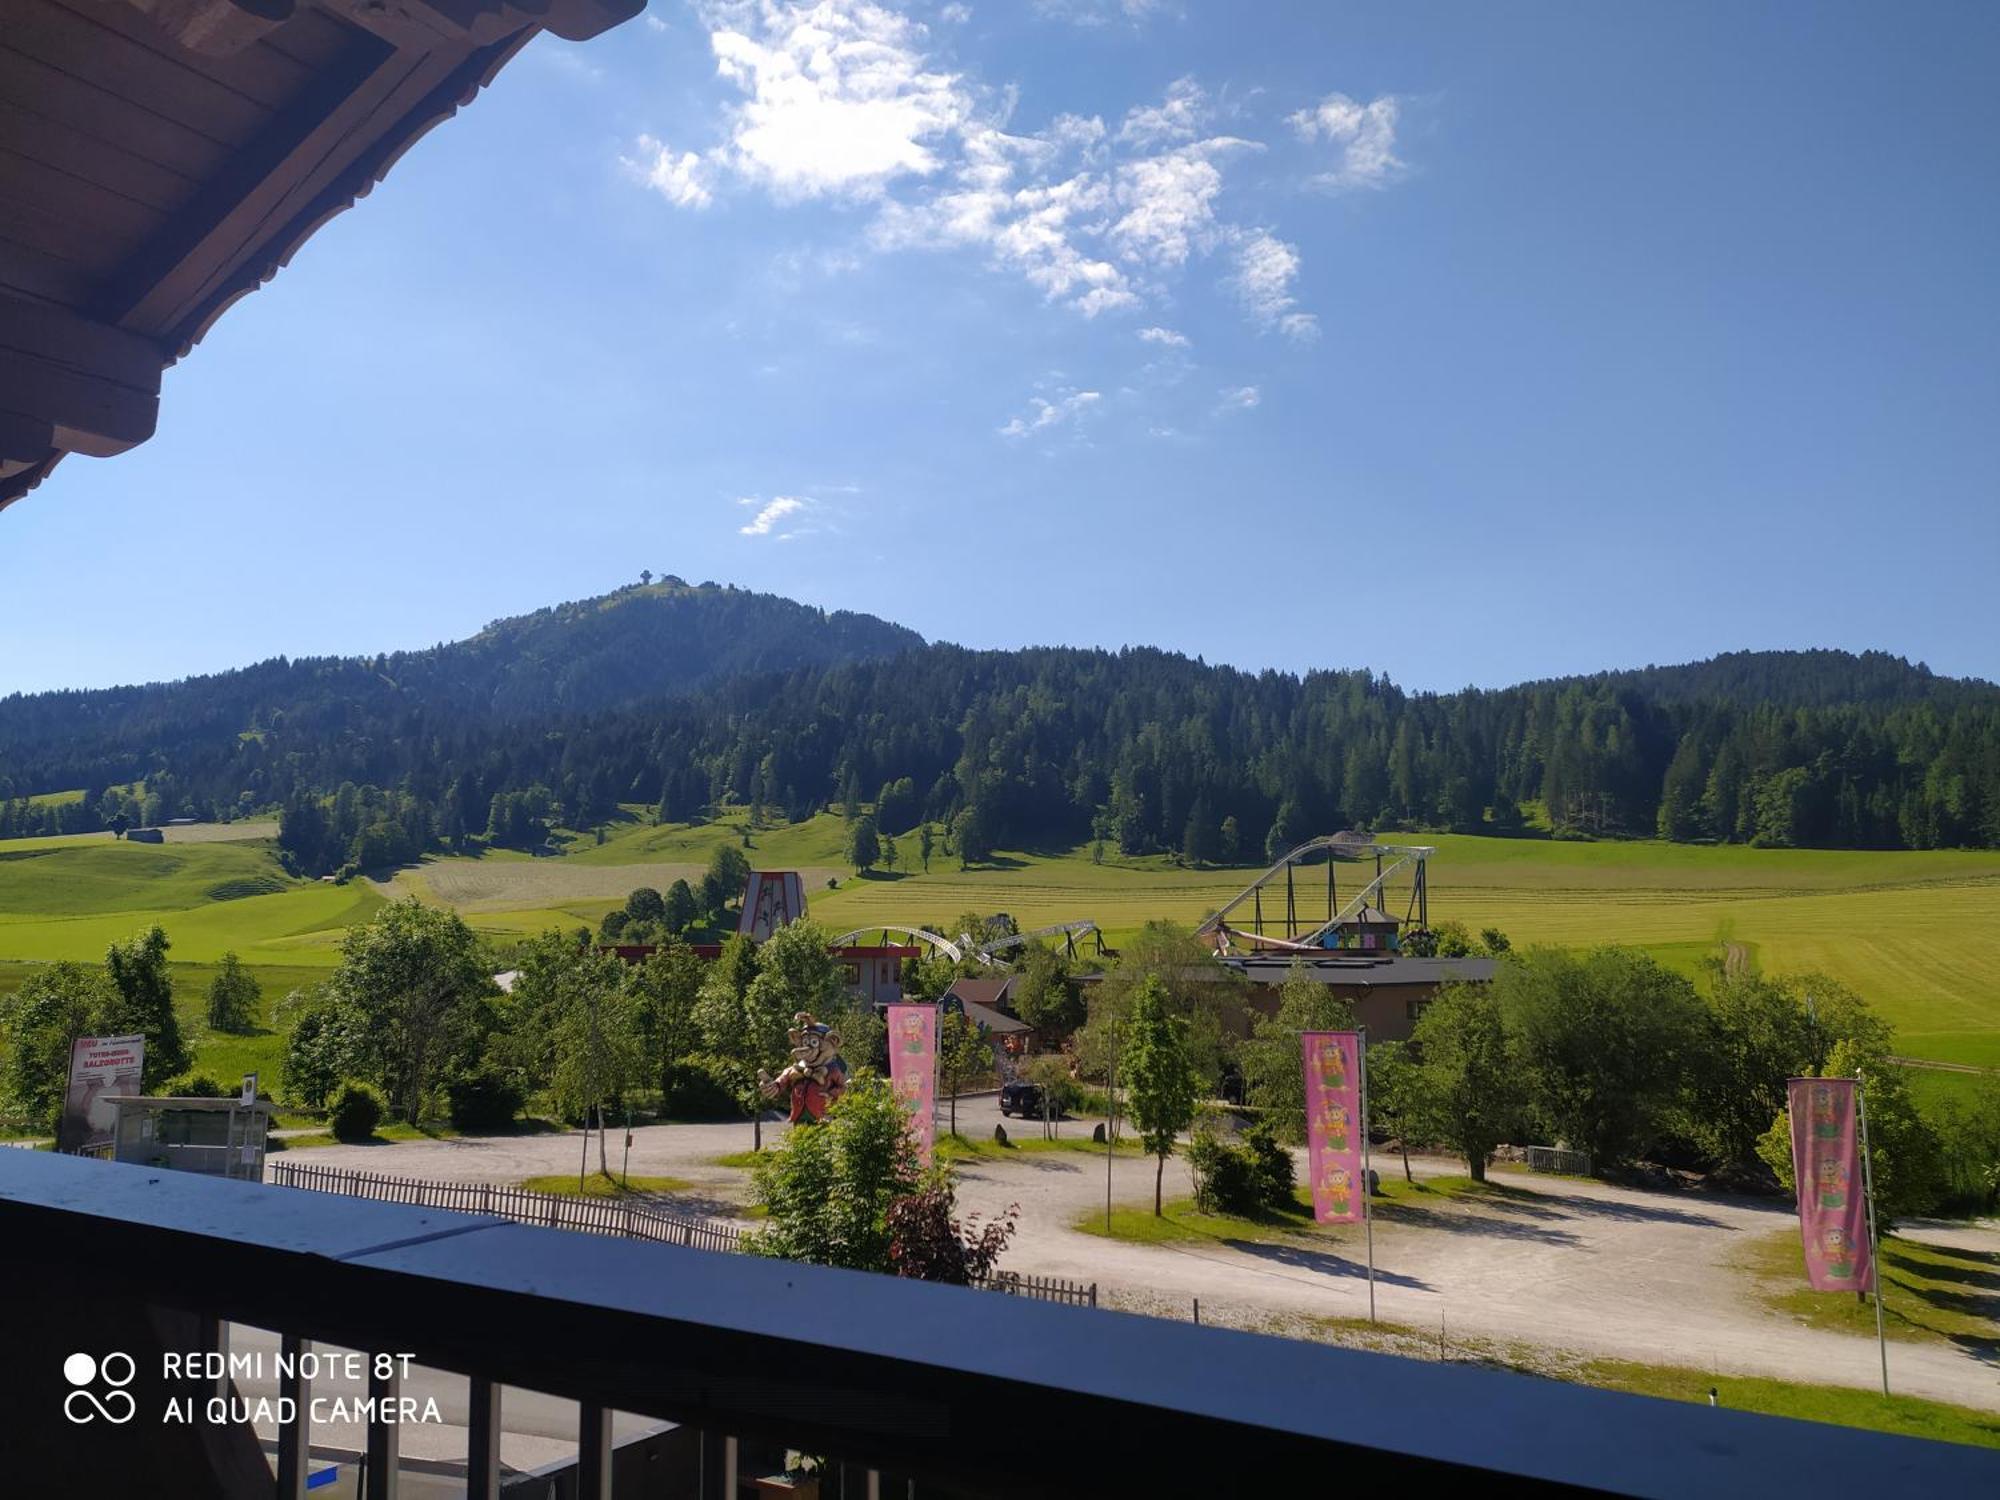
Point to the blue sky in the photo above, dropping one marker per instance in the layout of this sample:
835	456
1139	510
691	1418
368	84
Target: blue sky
1468	343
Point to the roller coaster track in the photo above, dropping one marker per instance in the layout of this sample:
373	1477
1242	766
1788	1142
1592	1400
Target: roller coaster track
1401	857
935	941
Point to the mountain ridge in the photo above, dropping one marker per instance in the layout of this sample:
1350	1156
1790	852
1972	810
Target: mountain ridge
680	696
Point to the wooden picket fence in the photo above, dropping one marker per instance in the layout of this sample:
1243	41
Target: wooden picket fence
1043	1288
547	1210
595	1216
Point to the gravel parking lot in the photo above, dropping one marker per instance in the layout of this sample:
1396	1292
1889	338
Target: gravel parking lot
1580	1266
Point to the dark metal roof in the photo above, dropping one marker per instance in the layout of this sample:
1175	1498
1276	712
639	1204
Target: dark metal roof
993	1020
1359	971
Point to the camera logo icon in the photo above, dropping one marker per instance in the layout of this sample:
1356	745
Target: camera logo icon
84	1404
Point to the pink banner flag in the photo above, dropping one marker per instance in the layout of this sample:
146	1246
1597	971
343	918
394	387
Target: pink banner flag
913	1069
1826	1161
1334	1124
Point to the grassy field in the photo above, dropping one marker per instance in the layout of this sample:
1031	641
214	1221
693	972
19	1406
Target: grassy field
1917	933
1929	1293
597	1185
1845	1406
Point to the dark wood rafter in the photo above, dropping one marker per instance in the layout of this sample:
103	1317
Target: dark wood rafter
161	159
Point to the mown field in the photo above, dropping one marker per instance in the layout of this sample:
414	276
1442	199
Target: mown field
1917	933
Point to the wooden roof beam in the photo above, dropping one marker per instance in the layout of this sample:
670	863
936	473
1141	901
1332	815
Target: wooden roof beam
72	383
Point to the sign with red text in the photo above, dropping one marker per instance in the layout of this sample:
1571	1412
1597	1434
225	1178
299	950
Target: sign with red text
1334	1124
1826	1162
913	1069
100	1068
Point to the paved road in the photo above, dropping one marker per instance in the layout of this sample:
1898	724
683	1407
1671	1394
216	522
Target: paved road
1581	1266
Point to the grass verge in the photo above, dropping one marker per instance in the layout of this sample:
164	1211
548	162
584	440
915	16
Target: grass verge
1845	1406
598	1185
1930	1293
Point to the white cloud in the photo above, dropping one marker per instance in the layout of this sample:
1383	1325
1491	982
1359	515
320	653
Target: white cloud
1098	12
1031	227
846	99
1240	398
1044	414
1169	202
840	96
956	14
1364	133
1179	117
1266	267
771	513
654	23
1165	336
682	180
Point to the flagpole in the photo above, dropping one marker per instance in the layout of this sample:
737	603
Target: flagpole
1874	1242
1367	1177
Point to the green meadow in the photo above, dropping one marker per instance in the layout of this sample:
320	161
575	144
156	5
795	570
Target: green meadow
1918	933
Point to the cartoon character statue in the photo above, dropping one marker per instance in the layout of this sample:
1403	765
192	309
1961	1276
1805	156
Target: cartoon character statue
816	1075
1832	1174
1837	1246
1825	1112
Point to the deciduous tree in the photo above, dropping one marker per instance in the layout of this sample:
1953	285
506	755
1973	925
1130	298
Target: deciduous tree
1159	1077
233	996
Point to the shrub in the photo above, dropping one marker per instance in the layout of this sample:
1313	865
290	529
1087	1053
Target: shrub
199	1086
484	1101
1275	1173
1225	1180
703	1087
927	1242
355	1112
1240	1179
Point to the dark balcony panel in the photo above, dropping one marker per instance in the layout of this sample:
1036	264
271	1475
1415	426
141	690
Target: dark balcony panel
903	1377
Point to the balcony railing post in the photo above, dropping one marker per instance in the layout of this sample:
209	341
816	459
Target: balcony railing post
714	1461
593	1453
482	1441
295	1433
384	1438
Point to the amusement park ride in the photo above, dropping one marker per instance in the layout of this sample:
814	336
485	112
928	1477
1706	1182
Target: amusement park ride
1360	923
987	951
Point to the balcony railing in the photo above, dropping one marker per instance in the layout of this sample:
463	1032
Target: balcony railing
926	1390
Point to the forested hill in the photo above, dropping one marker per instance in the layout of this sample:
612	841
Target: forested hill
1796	679
538	722
637	644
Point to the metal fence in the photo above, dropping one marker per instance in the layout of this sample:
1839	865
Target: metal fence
596	1216
591	1215
1558	1159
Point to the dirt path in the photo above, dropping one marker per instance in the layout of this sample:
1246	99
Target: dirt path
1583	1266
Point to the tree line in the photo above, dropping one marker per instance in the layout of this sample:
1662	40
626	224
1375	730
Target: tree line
1141	751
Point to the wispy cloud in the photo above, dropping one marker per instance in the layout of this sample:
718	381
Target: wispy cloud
1364	134
682	179
1044	414
1178	117
1165	337
1239	398
848	99
839	97
774	514
1266	268
1099	12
